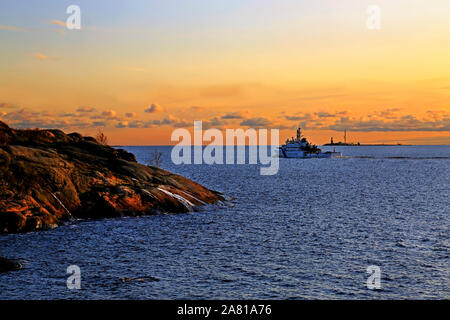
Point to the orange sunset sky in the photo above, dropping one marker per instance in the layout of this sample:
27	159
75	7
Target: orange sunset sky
140	69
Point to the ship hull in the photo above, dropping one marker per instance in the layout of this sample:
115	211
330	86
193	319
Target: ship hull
298	154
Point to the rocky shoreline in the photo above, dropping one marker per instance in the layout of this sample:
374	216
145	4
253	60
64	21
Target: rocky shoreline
48	177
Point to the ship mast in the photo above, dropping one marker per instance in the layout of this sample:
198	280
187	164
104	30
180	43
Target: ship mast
299	134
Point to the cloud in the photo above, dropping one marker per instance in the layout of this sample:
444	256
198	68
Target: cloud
303	117
257	123
139	124
25	118
47	114
64	115
325	114
388	113
59	23
154	108
43	57
403	123
20	115
11	28
213	123
40	123
236	115
315	116
99	123
85	109
285	127
5	105
106	115
385	120
197	108
122	124
109	114
437	114
182	124
169	120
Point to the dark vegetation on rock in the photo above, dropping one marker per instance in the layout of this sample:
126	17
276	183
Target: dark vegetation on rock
47	176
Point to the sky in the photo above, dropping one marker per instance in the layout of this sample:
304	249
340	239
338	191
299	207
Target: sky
138	70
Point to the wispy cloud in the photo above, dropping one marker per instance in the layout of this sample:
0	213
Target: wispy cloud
404	123
214	123
257	123
61	26
197	108
325	114
236	115
302	117
11	28
86	109
43	57
58	22
6	105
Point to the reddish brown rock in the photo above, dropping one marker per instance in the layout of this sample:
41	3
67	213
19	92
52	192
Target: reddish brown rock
47	177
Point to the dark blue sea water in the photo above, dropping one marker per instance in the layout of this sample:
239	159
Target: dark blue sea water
310	231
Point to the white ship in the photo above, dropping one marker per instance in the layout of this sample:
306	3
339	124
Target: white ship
301	148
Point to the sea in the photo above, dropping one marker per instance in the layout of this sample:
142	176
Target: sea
371	225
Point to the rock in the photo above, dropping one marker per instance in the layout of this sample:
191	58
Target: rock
47	177
9	265
125	155
12	221
75	136
90	139
4	126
